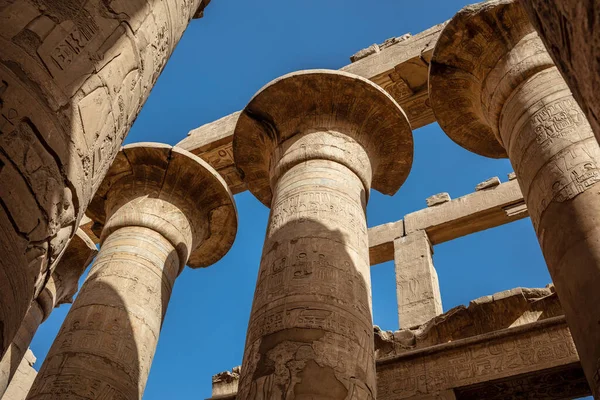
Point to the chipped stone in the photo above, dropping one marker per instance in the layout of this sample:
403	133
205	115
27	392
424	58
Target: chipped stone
438	199
488	184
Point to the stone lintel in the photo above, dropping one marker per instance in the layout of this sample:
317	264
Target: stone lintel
225	384
540	349
459	217
401	69
504	340
381	241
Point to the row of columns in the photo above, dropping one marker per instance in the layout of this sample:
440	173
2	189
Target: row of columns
310	330
161	208
495	91
73	77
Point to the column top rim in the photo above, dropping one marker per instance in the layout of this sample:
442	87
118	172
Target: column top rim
469	47
184	175
323	99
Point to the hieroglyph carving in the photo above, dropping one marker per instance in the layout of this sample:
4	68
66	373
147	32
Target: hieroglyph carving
491	359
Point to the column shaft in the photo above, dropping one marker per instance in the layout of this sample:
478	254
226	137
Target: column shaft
14	355
22	380
557	159
106	344
73	76
310	333
417	286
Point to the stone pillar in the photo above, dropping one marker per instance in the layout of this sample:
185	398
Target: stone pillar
417	286
161	207
73	76
324	137
495	91
23	379
570	29
59	289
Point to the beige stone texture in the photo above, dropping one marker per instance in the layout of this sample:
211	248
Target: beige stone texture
310	331
73	76
438	199
161	207
23	379
501	95
511	345
417	286
488	184
401	68
225	384
60	289
570	29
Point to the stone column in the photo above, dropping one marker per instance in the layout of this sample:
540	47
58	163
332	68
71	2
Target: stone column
570	29
495	91
23	379
417	286
161	208
73	76
309	145
60	289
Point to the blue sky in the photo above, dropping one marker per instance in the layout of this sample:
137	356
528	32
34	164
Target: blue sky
222	60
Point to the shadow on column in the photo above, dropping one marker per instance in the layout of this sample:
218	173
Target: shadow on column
311	333
105	347
73	77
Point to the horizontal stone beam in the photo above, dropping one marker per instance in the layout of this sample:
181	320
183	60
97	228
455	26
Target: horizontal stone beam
535	358
401	69
465	215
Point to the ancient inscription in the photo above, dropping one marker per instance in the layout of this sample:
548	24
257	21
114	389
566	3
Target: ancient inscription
555	155
320	206
73	44
476	363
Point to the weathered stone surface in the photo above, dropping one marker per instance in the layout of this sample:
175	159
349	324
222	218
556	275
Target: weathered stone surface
417	286
570	29
512	176
485	315
376	48
225	384
500	94
538	358
488	184
23	379
73	77
59	289
438	199
310	331
510	345
161	208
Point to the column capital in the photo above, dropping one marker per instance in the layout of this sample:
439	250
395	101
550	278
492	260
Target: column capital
361	122
485	52
172	192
